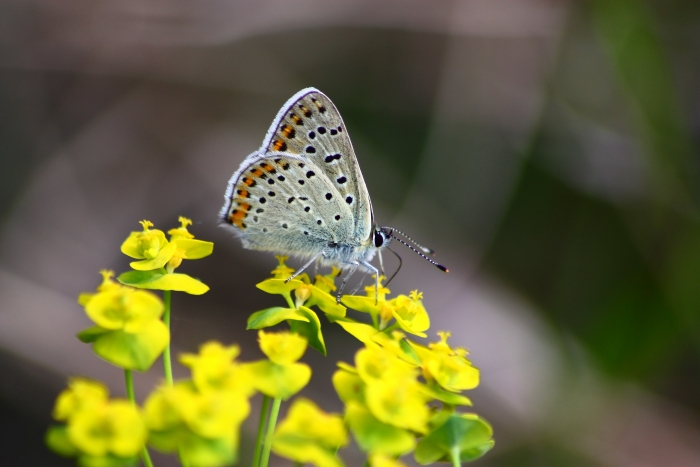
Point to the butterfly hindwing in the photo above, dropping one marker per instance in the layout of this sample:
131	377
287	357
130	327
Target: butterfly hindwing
283	203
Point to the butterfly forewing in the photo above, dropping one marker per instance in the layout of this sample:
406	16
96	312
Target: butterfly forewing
310	126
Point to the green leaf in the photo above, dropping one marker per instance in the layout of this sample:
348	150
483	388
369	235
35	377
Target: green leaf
467	433
57	440
272	316
375	436
133	351
311	329
91	334
158	280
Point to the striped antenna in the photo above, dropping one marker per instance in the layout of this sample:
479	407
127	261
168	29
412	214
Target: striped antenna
425	250
437	265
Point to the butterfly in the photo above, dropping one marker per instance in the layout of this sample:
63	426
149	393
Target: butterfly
302	193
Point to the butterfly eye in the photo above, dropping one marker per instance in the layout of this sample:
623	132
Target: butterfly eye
378	238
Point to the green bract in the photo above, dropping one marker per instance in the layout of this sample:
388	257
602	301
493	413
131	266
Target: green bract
465	435
161	280
374	435
280	377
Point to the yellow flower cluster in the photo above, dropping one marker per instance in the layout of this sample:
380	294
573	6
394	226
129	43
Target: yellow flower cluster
158	258
128	331
97	430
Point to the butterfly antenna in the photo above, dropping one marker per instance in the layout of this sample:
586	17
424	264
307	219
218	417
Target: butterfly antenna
437	265
425	250
397	269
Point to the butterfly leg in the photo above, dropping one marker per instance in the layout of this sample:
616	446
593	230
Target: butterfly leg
376	277
381	262
308	263
353	267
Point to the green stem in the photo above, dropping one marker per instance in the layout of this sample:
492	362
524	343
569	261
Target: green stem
168	367
129	380
146	457
454	453
130	394
287	296
272	421
264	409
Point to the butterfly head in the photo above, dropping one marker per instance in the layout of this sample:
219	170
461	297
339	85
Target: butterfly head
382	237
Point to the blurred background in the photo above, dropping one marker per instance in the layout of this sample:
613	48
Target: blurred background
547	149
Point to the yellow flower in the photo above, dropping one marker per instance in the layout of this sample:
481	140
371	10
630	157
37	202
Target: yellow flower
327	282
448	367
410	313
181	232
282	347
214	369
373	303
212	414
82	394
280	376
302	294
215	414
187	247
115	428
381	294
124	308
376	363
107	284
382	460
398	401
310	435
282	271
149	246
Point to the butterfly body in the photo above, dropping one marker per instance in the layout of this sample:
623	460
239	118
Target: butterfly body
302	193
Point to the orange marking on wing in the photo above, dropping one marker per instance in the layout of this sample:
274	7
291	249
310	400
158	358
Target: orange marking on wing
256	172
279	145
288	131
244	206
237	214
243	193
267	167
306	111
296	119
248	181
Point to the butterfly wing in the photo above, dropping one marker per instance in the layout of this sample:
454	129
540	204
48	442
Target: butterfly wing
283	203
309	125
